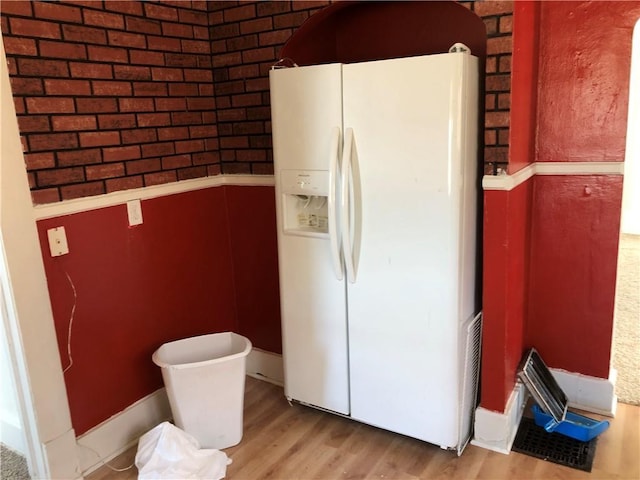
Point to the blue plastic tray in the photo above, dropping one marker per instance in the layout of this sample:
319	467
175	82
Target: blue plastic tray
574	425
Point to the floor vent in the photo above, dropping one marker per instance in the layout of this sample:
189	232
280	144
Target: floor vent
536	442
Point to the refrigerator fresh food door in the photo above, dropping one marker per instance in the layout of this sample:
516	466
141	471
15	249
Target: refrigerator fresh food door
409	128
306	106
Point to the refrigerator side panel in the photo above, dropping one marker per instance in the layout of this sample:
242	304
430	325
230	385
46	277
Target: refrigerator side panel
306	105
471	324
404	307
469	209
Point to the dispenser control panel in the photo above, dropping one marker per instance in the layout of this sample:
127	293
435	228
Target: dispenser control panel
305	182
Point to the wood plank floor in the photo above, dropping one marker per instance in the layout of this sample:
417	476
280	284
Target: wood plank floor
296	442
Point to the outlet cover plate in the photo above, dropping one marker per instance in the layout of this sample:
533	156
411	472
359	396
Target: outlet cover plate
134	211
57	241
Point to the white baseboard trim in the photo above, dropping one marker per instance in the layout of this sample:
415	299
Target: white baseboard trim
265	366
586	393
59	452
117	434
68	207
496	431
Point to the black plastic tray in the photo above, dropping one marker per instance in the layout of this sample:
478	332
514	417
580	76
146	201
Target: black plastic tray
543	387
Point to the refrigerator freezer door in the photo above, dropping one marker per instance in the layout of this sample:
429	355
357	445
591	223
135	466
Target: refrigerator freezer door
404	311
306	108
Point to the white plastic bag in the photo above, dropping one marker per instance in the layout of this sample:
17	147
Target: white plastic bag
167	452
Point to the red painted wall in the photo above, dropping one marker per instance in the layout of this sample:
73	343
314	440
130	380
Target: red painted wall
575	229
252	234
585	56
524	84
507	221
363	31
550	263
507	224
174	276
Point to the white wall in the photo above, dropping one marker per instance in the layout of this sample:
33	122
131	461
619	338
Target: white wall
631	186
28	319
11	431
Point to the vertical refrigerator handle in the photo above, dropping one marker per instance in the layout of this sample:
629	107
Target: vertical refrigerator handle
334	232
345	214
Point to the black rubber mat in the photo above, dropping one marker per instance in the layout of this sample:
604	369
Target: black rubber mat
537	442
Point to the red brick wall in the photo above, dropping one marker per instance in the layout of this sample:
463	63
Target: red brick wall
111	95
246	38
498	18
124	94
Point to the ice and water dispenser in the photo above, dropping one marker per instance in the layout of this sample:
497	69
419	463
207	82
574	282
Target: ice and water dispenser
305	203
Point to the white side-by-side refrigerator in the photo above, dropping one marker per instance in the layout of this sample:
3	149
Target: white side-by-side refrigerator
376	189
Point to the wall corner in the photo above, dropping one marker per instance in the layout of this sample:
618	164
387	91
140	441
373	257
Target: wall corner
497	430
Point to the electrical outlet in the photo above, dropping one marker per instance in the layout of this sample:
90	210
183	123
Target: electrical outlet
134	210
57	241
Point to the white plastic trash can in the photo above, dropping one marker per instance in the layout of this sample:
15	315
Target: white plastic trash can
204	377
